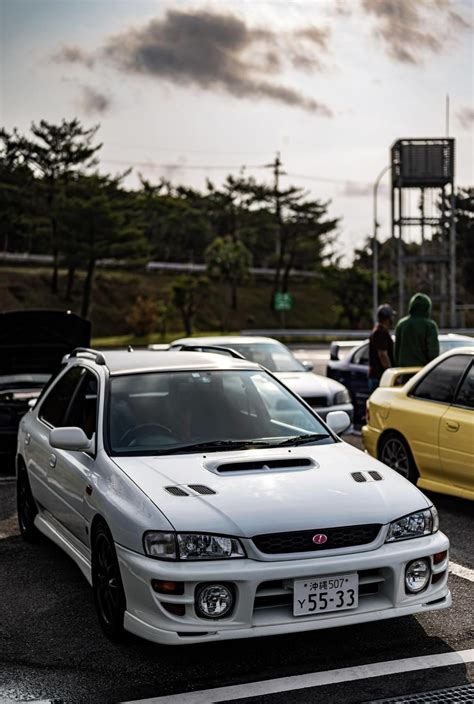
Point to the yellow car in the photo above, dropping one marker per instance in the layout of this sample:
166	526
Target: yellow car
425	428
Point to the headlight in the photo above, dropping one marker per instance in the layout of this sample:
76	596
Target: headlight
342	397
191	546
415	525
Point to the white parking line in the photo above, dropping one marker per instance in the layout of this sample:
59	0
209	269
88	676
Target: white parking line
314	679
461	571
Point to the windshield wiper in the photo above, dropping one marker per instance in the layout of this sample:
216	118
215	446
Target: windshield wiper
216	445
302	439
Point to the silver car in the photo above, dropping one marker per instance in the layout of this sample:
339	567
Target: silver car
321	393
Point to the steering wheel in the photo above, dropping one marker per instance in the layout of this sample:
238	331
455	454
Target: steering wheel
132	433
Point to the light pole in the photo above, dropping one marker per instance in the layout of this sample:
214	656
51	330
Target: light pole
375	247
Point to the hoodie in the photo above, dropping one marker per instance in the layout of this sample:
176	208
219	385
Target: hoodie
416	335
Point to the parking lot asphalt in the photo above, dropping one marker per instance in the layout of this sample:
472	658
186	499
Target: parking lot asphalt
52	649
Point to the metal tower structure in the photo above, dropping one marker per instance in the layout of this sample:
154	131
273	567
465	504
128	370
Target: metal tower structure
422	207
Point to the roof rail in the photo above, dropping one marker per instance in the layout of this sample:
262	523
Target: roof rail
87	351
219	349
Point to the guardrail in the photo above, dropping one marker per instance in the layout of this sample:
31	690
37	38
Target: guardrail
331	332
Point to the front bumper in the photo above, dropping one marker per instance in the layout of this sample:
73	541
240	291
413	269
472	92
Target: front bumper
381	592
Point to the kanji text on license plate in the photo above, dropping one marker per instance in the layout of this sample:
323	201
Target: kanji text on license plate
334	593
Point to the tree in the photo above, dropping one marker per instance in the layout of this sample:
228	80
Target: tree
55	154
187	294
143	316
99	226
228	260
352	288
20	213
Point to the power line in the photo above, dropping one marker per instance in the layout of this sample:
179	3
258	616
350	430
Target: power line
277	172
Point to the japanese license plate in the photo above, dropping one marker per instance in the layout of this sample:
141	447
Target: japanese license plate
316	594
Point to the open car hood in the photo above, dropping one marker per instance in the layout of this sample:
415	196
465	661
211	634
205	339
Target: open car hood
35	341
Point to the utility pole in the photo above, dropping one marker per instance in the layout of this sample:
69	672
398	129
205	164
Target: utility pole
375	246
276	166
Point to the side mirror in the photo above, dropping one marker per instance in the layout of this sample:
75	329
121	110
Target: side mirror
32	403
308	366
71	439
338	421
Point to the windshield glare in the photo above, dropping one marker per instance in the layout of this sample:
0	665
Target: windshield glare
160	412
274	357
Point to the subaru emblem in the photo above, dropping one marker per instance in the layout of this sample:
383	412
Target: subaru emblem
319	539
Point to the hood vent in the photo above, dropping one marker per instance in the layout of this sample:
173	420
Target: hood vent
358	477
176	491
201	489
370	476
376	475
264	465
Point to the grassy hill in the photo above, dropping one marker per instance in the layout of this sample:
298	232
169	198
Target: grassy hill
114	293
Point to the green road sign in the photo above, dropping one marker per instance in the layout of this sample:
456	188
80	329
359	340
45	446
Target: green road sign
282	301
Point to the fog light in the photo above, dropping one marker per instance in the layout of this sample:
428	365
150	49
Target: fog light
214	601
417	575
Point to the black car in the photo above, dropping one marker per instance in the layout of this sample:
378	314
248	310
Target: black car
32	345
351	367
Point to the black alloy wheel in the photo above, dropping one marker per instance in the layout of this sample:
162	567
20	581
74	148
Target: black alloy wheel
396	454
26	507
109	595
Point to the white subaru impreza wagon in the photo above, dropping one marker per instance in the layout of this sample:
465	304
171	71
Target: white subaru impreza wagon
203	500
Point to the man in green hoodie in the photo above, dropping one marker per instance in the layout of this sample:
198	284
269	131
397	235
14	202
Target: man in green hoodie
416	335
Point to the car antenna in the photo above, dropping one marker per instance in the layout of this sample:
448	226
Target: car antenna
130	348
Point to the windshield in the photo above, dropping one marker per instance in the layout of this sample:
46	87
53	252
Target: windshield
23	381
445	345
166	412
270	355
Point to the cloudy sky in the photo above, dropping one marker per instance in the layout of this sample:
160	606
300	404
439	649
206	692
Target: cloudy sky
194	90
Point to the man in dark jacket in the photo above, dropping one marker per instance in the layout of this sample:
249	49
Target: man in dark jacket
416	335
380	346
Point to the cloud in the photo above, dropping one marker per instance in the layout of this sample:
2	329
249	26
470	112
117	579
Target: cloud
214	51
92	101
71	54
410	29
465	117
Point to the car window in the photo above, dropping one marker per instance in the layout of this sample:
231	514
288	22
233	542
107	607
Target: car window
445	345
156	412
465	395
361	356
53	408
82	412
273	356
440	383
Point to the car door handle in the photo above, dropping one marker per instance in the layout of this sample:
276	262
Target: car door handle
452	425
52	461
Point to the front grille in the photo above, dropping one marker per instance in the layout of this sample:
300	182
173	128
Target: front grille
279	593
316	401
302	541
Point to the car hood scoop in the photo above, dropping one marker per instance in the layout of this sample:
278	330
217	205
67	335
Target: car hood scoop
262	465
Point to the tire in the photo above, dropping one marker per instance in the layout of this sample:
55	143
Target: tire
395	452
26	507
109	594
